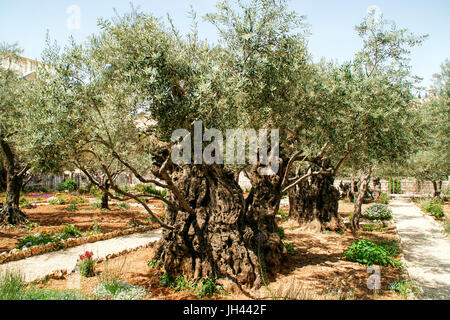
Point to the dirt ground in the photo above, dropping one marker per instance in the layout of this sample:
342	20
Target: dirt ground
55	217
317	270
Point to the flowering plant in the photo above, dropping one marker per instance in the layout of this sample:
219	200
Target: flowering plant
86	264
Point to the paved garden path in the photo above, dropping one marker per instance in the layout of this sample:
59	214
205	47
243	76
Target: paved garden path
40	266
426	249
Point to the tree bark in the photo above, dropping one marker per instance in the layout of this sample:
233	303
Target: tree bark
225	235
363	185
437	186
105	197
314	204
10	212
2	179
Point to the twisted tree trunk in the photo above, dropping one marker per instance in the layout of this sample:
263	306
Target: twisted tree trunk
10	213
105	196
225	235
363	185
437	187
314	204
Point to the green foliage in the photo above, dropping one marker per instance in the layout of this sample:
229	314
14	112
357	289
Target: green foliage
280	231
39	239
70	231
150	189
366	252
378	212
57	201
405	288
382	198
394	186
434	207
119	290
68	185
124	206
71	208
86	264
166	280
208	287
290	248
12	286
154	263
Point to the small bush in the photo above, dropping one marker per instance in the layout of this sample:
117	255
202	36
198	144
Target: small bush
150	189
68	185
208	287
433	207
154	263
395	186
86	264
70	231
166	280
39	239
378	212
382	198
366	252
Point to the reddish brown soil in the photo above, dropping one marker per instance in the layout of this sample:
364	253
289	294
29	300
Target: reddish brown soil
317	270
54	218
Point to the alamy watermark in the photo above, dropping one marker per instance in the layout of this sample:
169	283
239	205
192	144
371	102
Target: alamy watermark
261	149
74	19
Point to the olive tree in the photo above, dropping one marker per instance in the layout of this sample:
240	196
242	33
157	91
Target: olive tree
431	162
384	127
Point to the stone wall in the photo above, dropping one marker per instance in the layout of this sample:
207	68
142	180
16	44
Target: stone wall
408	186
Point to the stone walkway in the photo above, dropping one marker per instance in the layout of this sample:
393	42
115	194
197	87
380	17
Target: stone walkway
38	267
426	249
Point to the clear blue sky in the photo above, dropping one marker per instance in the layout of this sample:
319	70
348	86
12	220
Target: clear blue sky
331	21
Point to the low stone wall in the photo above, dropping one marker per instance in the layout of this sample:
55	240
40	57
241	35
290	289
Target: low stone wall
408	186
19	254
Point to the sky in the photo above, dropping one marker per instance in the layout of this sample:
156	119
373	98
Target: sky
331	24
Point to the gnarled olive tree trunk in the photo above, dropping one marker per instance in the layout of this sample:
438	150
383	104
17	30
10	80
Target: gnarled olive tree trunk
437	188
225	235
363	185
105	196
10	212
314	204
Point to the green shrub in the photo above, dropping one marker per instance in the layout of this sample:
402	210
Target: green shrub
150	189
71	208
67	185
378	212
166	280
280	231
366	252
382	198
39	239
70	231
208	287
434	207
154	263
44	294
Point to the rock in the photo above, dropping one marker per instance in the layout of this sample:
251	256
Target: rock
26	252
91	239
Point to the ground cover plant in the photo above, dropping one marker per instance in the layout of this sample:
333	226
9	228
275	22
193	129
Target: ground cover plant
378	212
367	252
